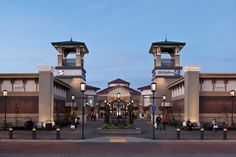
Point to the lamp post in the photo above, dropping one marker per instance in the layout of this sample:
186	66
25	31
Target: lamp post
131	115
83	88
73	99
153	89
118	108
5	93
118	105
232	94
106	112
164	103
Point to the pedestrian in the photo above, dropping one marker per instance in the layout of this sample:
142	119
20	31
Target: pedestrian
189	125
164	121
94	116
76	121
213	122
91	116
158	122
215	127
184	125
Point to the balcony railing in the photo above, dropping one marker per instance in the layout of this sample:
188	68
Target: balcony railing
167	62
69	62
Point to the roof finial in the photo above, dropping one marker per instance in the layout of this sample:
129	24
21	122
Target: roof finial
165	37
71	38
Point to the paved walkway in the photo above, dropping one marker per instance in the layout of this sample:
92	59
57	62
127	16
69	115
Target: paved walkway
91	133
166	149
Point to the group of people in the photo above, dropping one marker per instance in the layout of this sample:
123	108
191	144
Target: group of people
93	116
188	124
161	122
215	126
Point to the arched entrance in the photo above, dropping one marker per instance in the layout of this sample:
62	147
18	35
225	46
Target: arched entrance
119	108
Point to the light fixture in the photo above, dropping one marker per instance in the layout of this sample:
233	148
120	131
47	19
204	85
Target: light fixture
153	87
164	97
5	93
118	95
232	93
73	97
82	86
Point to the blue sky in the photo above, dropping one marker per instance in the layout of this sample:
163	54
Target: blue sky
118	34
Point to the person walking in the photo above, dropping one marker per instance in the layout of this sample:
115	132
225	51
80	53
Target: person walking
76	121
94	116
158	122
189	125
164	121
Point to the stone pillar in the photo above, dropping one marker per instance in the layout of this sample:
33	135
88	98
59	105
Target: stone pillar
158	57
177	61
191	96
177	57
46	96
158	60
0	84
60	57
78	57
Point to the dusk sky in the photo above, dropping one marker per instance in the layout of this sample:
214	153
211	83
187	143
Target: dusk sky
118	34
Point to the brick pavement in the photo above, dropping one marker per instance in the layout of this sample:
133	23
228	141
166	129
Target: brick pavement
90	133
174	148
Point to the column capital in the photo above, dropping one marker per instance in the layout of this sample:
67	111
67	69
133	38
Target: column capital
192	69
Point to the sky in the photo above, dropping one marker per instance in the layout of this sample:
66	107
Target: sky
118	34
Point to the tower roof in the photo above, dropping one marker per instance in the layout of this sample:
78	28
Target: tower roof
118	81
70	43
166	43
145	88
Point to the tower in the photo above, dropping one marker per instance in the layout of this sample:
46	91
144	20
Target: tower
70	60
70	67
166	67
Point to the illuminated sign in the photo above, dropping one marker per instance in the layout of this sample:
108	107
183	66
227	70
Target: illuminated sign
166	72
18	86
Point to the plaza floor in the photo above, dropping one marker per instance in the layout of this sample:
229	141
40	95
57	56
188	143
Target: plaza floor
91	133
98	145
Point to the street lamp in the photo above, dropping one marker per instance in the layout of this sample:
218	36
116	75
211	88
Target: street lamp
83	88
118	104
5	93
118	95
73	99
232	94
164	103
131	112
107	112
153	89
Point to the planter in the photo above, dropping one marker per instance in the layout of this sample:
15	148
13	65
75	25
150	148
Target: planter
119	131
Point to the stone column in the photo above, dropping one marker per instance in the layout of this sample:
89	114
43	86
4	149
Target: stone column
78	57
158	57
46	96
60	57
0	84
177	57
191	96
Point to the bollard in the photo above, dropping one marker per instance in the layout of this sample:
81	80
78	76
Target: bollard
202	133
10	133
178	133
225	134
34	133
58	133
